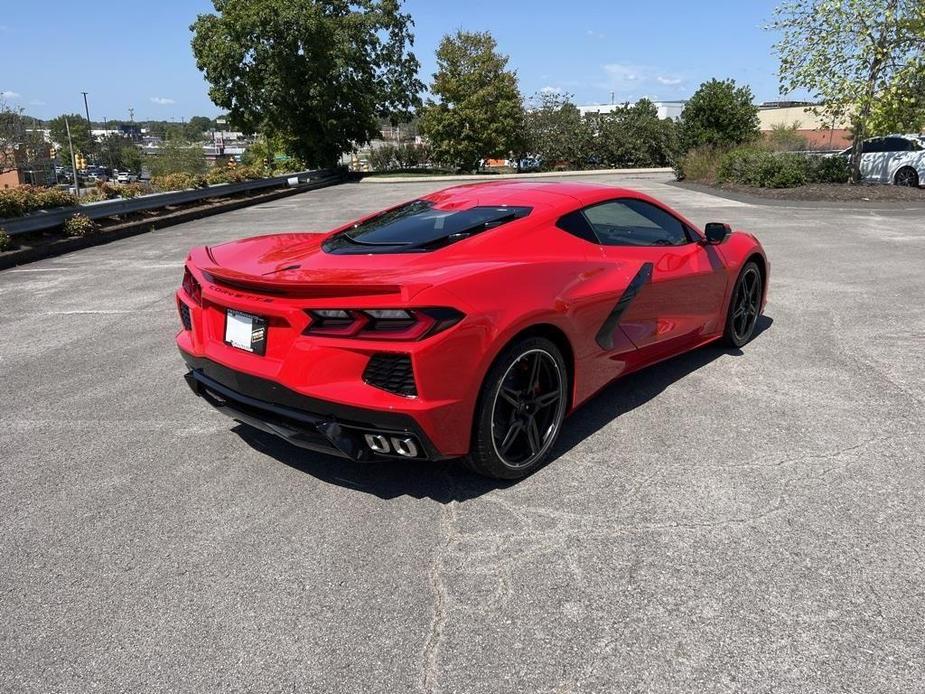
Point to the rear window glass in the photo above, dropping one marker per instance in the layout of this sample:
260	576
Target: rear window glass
420	226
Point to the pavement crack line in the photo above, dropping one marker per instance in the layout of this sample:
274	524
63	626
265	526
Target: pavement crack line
438	587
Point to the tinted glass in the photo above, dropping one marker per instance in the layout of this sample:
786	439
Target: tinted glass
873	146
897	144
635	223
576	224
418	226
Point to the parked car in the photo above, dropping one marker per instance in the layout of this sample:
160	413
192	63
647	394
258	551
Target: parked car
896	159
466	323
126	177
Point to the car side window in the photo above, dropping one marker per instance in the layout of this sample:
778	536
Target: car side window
896	144
873	146
630	222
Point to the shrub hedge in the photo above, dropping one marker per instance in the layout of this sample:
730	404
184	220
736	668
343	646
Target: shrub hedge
178	181
5	241
15	202
755	166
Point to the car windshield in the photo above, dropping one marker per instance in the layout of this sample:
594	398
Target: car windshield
420	226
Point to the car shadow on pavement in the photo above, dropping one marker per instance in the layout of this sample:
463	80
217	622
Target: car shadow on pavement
450	481
638	388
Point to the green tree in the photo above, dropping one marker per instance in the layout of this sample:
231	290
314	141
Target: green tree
849	54
80	135
634	136
22	144
719	114
118	152
901	106
196	128
12	133
480	111
177	157
132	159
318	72
556	133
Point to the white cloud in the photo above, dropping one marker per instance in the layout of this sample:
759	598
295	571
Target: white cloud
620	74
624	78
596	34
10	94
551	90
162	100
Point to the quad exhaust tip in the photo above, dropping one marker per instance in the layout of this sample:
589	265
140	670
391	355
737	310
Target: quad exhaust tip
404	447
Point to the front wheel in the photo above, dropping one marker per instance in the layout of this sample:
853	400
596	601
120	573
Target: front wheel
521	408
745	306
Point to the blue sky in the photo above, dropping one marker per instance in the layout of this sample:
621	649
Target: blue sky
138	54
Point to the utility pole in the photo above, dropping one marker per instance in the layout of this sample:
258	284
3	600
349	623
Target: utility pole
87	110
70	144
89	123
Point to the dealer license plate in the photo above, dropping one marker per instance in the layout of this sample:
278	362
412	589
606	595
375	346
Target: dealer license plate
247	332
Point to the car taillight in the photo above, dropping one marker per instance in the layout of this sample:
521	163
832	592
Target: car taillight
191	287
382	323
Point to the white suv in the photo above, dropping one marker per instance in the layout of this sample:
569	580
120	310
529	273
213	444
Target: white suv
897	159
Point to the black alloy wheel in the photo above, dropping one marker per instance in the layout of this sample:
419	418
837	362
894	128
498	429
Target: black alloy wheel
745	306
908	177
523	403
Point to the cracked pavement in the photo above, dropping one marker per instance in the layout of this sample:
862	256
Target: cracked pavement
722	522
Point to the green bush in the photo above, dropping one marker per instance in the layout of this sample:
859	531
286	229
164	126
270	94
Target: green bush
224	174
79	226
833	169
177	181
700	164
132	190
757	167
786	171
255	171
5	241
46	198
111	191
16	202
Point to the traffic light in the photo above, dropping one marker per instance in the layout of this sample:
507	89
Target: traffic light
81	161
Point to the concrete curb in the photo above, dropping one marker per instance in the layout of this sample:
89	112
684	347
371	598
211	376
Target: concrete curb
503	177
767	201
122	231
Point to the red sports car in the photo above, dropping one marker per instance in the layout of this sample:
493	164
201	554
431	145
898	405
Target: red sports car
467	323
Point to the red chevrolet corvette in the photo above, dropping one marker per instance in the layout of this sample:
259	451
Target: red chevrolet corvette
467	323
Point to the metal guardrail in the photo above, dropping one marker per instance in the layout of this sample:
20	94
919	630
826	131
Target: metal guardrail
47	219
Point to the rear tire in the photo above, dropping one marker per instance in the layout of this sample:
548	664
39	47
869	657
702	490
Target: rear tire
745	306
907	176
521	408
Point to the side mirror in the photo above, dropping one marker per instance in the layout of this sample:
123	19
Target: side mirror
716	232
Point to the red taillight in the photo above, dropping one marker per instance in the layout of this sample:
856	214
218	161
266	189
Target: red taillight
382	324
191	287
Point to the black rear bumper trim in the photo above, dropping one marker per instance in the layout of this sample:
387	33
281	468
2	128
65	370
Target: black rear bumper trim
307	422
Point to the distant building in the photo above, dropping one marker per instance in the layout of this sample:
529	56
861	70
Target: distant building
27	164
666	109
819	132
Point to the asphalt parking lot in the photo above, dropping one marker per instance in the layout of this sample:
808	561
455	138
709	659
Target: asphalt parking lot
723	522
